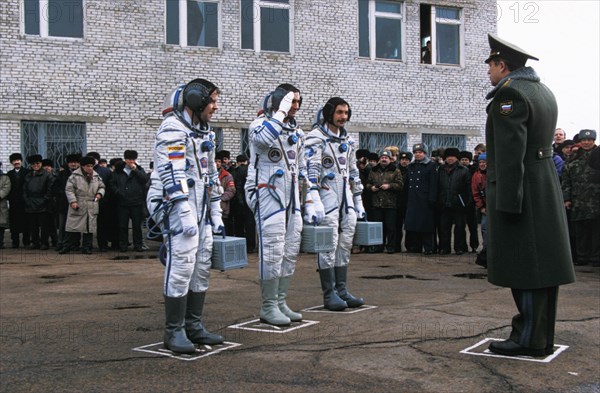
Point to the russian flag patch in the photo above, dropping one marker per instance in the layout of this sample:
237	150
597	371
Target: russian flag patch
176	152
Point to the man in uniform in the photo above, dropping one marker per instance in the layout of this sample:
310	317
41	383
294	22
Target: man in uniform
528	248
277	164
332	170
184	161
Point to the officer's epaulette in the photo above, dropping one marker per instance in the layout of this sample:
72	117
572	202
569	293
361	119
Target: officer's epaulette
507	83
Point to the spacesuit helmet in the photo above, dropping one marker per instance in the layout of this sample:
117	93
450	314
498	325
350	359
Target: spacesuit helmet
196	95
169	103
329	108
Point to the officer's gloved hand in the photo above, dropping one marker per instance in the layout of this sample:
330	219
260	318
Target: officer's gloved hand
318	206
359	208
189	223
284	107
310	216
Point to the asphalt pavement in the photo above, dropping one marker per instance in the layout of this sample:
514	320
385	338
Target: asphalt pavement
94	323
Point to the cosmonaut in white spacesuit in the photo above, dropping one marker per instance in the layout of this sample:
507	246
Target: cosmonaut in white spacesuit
277	168
332	171
184	165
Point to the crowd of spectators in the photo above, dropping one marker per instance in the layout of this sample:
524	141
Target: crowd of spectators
426	200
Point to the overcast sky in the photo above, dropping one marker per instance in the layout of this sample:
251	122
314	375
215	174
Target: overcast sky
564	36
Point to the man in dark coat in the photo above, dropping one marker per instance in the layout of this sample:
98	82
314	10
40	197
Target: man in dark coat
62	202
244	223
422	195
528	249
107	209
37	193
453	199
129	184
16	201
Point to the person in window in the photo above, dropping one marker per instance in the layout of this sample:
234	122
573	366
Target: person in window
84	190
390	51
335	179
16	202
426	53
528	242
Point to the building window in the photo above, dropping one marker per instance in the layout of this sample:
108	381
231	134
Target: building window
52	139
443	28
380	27
377	141
193	23
218	138
266	25
245	142
53	18
435	141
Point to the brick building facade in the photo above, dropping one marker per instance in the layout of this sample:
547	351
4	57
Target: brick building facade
111	78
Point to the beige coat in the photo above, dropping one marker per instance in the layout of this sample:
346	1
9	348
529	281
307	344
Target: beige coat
4	191
78	190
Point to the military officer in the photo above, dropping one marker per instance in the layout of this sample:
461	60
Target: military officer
528	249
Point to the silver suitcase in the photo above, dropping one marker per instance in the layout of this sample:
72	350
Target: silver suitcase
317	239
368	234
229	253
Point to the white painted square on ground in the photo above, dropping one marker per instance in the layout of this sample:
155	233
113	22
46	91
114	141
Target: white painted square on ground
481	349
346	311
201	350
258	326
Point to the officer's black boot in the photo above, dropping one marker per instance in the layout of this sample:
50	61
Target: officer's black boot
175	338
331	300
193	321
341	278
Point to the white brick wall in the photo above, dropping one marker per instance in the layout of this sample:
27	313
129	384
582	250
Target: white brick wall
116	77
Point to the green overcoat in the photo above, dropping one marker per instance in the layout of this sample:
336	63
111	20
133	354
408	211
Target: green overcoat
528	241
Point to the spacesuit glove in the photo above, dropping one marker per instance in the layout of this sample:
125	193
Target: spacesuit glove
284	107
189	223
310	216
359	208
217	222
318	205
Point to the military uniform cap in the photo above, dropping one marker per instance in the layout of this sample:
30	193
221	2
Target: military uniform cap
386	153
507	51
587	134
420	147
406	155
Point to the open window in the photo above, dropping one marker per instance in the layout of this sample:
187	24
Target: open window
441	35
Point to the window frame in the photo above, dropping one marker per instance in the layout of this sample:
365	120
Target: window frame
257	5
372	18
461	31
72	134
44	25
183	24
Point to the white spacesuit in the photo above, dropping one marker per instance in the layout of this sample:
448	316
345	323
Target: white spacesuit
184	162
275	171
331	166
